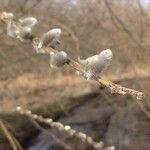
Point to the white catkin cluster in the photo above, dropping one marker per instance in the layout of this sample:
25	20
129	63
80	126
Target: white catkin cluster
11	30
96	64
29	22
66	128
24	29
50	39
7	16
58	59
93	66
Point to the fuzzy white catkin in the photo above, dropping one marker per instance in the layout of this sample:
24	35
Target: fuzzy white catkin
8	15
96	64
28	22
39	50
58	59
11	30
50	38
25	34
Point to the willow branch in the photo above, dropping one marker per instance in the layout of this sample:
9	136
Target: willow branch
114	88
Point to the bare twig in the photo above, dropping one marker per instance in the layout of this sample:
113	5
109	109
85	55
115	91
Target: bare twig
50	134
125	29
66	128
8	135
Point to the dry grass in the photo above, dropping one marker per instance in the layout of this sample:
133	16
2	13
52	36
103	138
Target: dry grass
30	90
33	91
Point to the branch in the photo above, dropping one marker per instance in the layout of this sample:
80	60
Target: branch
9	136
114	88
125	29
48	133
65	128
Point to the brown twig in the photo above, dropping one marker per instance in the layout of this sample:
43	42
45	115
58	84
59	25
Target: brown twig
8	135
114	88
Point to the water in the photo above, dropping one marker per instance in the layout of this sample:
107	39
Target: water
93	117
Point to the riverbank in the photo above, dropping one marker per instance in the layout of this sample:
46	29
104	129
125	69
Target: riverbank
48	97
58	98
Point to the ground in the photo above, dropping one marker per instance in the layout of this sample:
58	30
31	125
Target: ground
34	92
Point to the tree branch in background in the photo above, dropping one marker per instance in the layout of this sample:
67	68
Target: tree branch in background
60	127
15	145
125	29
143	13
50	134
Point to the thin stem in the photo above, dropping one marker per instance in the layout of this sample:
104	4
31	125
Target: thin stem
8	135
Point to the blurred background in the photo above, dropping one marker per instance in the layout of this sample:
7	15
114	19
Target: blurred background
88	27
